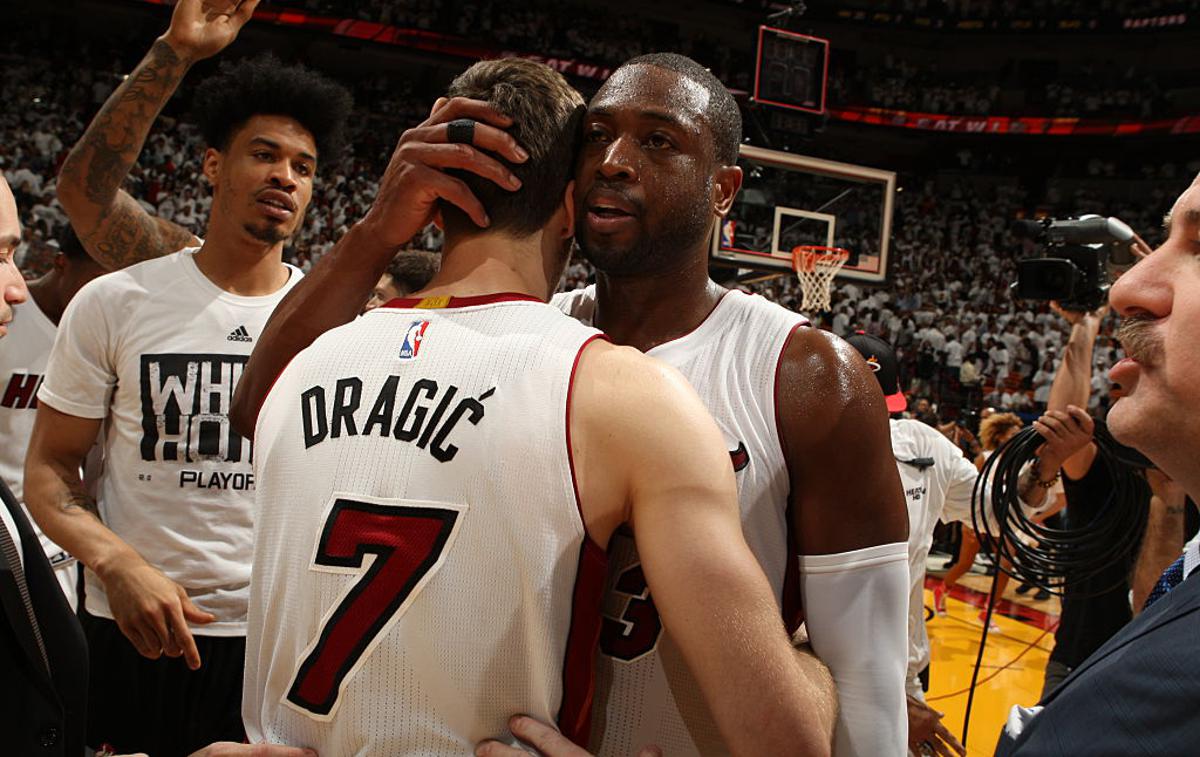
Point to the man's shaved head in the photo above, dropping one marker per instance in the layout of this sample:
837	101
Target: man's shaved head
12	283
721	111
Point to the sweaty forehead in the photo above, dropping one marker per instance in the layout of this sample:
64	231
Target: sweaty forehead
645	87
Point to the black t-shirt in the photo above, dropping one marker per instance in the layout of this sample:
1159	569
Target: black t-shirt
1089	619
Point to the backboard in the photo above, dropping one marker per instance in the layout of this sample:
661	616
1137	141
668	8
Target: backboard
789	200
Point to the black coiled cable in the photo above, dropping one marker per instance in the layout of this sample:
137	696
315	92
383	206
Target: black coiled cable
1049	557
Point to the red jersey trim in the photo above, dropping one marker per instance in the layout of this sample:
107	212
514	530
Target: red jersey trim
583	639
445	301
792	606
579	658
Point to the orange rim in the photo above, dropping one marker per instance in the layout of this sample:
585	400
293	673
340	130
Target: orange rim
805	257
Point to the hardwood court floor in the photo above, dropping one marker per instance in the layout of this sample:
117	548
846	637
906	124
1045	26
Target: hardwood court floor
1014	659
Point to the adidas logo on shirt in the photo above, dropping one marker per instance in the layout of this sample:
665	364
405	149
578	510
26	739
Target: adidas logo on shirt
240	335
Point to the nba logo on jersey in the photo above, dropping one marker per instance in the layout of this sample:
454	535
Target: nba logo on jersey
727	232
412	340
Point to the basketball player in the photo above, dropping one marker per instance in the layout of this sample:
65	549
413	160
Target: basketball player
409	272
22	365
483	448
153	353
800	412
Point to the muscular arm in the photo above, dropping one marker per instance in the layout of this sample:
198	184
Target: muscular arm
851	524
651	444
114	228
846	491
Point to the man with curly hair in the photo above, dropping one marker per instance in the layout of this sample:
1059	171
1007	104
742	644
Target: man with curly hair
152	354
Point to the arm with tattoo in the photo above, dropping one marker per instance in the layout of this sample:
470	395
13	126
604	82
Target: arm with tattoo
113	227
54	490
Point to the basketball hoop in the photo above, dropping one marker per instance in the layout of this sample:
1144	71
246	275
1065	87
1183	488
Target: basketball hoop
815	267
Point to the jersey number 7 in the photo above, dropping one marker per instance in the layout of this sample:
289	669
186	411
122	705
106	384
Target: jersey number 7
408	544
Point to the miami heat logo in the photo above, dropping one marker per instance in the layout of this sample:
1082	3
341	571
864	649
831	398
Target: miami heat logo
740	457
413	339
873	364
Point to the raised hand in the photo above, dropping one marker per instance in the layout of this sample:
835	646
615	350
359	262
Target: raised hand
1065	433
415	179
202	28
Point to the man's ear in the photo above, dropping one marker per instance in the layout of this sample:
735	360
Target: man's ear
211	165
727	182
569	207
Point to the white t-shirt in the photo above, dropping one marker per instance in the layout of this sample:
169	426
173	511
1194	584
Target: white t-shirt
156	350
940	491
954	354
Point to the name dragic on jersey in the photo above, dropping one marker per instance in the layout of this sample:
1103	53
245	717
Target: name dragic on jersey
419	549
645	694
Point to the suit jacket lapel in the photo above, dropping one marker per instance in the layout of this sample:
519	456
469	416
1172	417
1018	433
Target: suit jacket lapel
10	595
1178	603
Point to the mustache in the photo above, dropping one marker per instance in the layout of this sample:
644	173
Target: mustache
1139	340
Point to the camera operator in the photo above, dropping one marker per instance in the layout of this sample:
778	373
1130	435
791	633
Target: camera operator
1090	613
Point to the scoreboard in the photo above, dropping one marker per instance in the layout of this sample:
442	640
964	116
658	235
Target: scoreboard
792	70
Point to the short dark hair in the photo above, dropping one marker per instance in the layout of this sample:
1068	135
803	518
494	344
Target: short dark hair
69	244
263	86
412	270
546	113
724	118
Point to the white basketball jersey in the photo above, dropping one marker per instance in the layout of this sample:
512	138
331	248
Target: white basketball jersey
644	692
421	567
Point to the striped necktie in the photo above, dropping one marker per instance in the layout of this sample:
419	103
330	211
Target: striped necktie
9	548
1171	577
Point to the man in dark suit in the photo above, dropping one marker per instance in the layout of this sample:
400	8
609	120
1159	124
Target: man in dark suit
1138	693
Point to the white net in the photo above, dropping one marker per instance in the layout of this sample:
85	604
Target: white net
816	267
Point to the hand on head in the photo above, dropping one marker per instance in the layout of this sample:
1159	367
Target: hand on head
414	182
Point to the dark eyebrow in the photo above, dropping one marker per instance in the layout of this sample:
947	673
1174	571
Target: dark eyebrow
276	146
655	115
